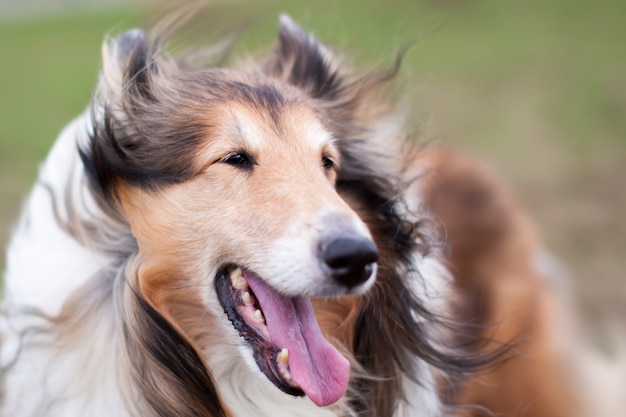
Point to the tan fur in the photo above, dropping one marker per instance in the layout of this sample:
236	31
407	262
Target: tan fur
171	225
491	244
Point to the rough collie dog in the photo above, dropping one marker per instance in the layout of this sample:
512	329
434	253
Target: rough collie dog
225	242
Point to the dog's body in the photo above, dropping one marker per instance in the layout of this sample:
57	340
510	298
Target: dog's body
184	232
508	290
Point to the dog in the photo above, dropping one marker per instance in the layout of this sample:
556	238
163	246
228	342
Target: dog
227	242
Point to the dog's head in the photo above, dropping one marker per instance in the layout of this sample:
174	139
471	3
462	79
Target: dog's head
228	182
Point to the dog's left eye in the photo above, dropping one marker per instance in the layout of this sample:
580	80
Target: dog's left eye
240	160
327	162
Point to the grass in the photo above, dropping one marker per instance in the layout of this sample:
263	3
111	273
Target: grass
536	87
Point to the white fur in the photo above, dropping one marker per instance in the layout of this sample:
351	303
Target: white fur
294	255
421	399
37	276
246	393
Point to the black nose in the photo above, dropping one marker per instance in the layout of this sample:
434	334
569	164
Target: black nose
350	260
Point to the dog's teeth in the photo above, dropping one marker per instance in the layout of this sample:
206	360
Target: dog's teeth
247	298
258	316
283	357
286	375
237	279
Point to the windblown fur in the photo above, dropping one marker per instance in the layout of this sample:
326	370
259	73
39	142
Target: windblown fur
510	292
145	201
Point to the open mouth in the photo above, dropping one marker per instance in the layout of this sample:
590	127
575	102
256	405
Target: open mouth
288	345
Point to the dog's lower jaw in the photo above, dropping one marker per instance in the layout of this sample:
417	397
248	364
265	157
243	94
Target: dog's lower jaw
264	352
289	342
245	391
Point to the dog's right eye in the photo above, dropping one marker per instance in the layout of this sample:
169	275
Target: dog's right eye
240	160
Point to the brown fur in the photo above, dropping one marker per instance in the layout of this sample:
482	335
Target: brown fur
500	294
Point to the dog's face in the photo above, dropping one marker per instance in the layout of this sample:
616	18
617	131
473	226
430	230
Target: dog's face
244	224
263	198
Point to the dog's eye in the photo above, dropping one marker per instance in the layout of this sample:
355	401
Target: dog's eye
327	162
240	160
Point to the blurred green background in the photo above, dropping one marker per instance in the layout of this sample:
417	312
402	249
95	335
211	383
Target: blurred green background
535	87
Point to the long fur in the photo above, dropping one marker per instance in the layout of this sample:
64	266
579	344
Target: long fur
509	291
110	307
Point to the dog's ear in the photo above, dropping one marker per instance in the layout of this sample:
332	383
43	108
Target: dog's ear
128	65
300	60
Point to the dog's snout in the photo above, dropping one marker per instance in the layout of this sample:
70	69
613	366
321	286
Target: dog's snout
350	260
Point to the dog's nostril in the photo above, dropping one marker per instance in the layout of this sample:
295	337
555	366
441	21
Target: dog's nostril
350	260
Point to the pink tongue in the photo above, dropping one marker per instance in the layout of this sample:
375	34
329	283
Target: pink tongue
315	365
